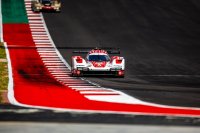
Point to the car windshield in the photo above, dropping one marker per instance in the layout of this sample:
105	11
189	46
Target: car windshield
46	2
98	58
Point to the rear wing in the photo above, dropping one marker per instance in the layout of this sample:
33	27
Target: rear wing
109	50
80	50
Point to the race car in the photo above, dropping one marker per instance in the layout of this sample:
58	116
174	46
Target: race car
45	5
98	62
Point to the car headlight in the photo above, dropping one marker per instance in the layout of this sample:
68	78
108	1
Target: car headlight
109	65
89	64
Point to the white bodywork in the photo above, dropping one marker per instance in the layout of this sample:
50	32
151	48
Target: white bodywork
115	65
37	5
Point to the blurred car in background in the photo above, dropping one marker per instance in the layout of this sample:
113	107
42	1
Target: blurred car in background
46	5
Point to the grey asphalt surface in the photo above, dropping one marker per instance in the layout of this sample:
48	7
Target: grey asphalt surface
31	127
159	40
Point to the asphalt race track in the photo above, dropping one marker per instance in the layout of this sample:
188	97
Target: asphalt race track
159	40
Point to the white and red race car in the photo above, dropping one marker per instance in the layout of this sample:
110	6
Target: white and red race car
98	62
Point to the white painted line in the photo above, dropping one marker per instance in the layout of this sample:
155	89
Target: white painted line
34	18
39	33
29	11
46	53
52	62
63	75
86	88
35	21
77	86
60	71
69	79
40	51
55	67
68	84
41	38
57	73
66	78
74	81
60	56
59	68
46	50
96	92
51	59
43	46
74	84
37	30
35	25
50	50
43	43
61	65
34	15
48	56
113	98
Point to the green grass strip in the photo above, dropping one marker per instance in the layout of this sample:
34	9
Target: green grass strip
3	71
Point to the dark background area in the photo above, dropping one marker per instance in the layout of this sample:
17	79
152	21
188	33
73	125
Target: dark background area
158	38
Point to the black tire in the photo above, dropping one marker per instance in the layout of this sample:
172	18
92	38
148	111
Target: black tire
35	10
